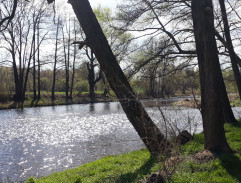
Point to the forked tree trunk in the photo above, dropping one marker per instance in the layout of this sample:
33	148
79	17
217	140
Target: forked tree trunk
210	76
92	80
154	140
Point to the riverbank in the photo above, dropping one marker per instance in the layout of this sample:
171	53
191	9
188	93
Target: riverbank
196	165
6	102
196	103
83	98
78	98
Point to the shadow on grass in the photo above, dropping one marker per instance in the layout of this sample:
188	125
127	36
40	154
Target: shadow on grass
232	164
145	169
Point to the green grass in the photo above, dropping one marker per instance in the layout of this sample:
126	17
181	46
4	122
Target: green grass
123	168
138	165
97	92
224	169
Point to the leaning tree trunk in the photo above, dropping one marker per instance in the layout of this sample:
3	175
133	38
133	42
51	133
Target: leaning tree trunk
210	76
96	40
232	54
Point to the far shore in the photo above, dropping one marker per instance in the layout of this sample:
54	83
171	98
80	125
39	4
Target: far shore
78	98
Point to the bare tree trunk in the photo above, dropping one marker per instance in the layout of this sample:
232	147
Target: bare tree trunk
73	68
55	60
38	43
34	61
25	78
210	76
154	140
227	110
106	88
15	69
92	80
72	78
229	43
152	84
66	57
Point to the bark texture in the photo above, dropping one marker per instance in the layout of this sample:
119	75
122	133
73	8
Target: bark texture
154	140
210	76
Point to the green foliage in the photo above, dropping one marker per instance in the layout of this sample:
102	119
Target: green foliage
103	14
229	81
82	86
45	84
194	146
235	103
6	81
139	86
60	85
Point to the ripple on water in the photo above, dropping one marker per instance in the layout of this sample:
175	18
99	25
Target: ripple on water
39	141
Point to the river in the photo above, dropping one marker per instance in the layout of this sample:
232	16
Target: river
39	141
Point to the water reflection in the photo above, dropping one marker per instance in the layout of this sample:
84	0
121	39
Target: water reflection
107	106
39	141
92	108
119	106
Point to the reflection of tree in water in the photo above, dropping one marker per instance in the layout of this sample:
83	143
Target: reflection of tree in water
118	106
107	106
69	108
92	108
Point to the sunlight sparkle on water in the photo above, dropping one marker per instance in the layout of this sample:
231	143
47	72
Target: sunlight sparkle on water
39	141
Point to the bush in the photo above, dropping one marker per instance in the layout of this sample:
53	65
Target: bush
82	86
45	84
60	85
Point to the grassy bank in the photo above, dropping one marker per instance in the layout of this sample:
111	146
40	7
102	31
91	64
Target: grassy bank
138	165
6	100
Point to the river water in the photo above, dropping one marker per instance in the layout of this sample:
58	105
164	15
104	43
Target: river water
39	141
